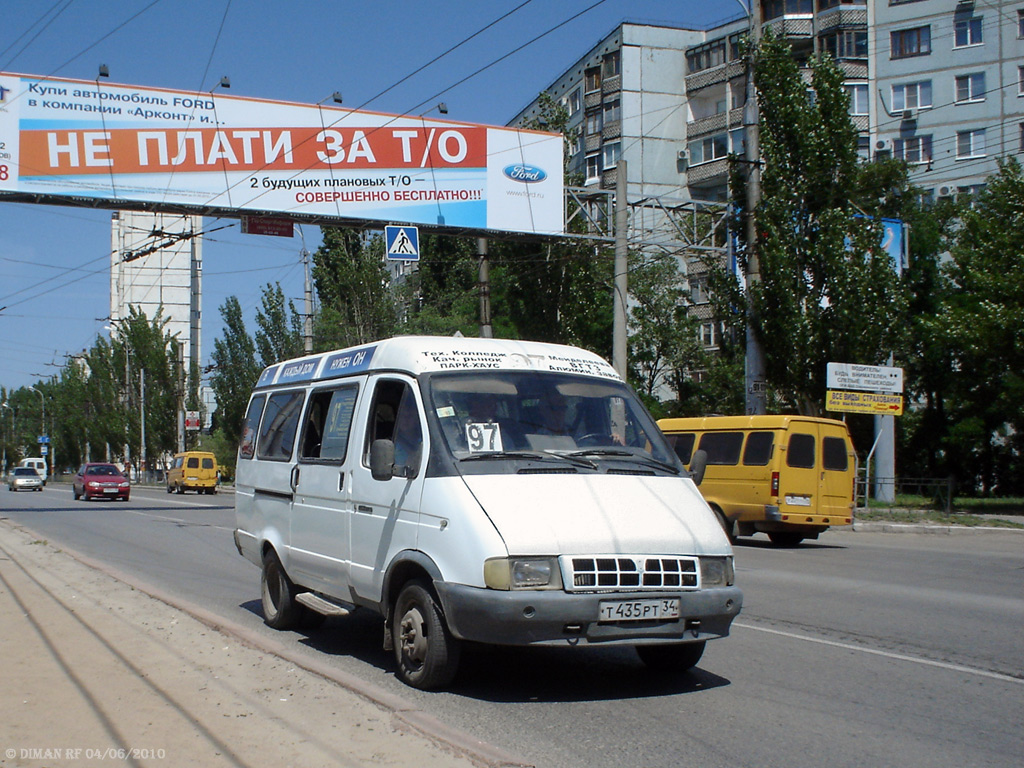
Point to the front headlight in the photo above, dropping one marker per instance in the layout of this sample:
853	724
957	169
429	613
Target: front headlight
522	573
717	572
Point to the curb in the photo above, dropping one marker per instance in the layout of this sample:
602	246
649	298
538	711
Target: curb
880	527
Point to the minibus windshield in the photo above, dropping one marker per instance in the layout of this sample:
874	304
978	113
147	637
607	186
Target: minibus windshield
523	413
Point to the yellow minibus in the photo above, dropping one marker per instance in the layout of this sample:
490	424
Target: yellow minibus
790	477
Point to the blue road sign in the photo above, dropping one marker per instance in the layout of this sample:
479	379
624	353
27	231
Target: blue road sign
403	243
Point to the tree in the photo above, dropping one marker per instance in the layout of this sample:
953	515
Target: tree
828	290
442	295
980	329
356	304
234	371
279	334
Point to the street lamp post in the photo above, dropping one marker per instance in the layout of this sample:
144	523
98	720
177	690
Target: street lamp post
42	426
7	433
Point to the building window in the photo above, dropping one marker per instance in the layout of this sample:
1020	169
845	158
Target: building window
904	43
593	121
858	97
970	144
914	149
713	53
708	149
970	87
592	79
610	155
846	44
575	101
1021	138
593	167
1020	23
911	95
699	290
612	65
612	111
773	9
738	141
575	140
967	31
1020	81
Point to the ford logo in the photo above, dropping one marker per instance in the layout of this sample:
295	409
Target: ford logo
527	174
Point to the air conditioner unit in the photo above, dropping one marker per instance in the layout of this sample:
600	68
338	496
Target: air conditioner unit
681	155
883	145
946	191
910	114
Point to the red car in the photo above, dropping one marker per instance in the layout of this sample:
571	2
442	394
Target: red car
100	481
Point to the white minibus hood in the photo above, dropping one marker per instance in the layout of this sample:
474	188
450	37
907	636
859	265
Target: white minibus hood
599	514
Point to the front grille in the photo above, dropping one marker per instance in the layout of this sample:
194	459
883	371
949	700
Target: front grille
630	572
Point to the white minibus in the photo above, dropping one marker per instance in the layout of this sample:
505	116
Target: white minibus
477	490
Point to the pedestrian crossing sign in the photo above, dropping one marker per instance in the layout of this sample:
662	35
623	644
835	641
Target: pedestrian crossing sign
403	243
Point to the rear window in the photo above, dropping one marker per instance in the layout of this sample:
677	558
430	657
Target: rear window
801	451
722	447
758	451
833	454
247	446
207	463
193	462
682	445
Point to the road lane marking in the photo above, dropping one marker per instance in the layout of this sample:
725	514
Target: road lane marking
886	654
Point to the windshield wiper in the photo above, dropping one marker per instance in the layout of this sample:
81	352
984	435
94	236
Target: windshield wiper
627	454
532	455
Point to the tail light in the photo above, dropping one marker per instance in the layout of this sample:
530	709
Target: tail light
775	483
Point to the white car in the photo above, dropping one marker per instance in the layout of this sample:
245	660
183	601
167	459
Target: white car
24	479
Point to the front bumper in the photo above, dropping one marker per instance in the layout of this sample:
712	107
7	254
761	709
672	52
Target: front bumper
545	617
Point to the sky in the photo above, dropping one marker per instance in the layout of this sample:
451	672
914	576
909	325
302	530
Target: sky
54	261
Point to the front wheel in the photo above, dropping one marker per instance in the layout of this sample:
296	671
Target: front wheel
679	657
280	610
426	652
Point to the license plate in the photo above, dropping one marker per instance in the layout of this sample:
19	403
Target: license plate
638	610
798	501
110	490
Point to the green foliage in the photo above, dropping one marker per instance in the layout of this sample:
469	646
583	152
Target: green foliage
828	290
279	334
356	303
234	371
442	295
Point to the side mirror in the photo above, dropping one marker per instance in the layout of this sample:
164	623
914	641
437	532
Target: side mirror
382	459
698	463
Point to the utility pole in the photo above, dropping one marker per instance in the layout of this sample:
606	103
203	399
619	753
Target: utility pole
142	420
754	367
307	320
486	329
619	343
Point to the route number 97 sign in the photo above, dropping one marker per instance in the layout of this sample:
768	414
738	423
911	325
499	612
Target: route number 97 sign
483	437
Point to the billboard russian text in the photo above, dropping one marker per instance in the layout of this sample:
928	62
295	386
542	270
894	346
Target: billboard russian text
66	139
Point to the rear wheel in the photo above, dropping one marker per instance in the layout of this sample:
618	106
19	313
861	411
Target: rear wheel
426	652
671	658
280	610
170	489
785	538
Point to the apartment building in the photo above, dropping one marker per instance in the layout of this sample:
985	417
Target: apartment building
938	83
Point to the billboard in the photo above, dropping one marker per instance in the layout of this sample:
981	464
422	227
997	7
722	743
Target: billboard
218	154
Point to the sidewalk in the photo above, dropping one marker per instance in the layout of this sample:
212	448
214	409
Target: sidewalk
97	672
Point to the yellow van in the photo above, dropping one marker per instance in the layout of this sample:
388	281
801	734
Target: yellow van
788	476
193	471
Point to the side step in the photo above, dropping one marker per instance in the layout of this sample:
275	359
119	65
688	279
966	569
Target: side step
326	607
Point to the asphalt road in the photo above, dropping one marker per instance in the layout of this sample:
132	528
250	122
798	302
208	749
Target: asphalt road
862	649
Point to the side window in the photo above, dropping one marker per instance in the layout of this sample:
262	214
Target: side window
758	451
247	445
277	432
395	416
800	452
833	454
722	447
682	445
327	424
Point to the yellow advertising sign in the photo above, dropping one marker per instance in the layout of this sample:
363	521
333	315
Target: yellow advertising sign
864	402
